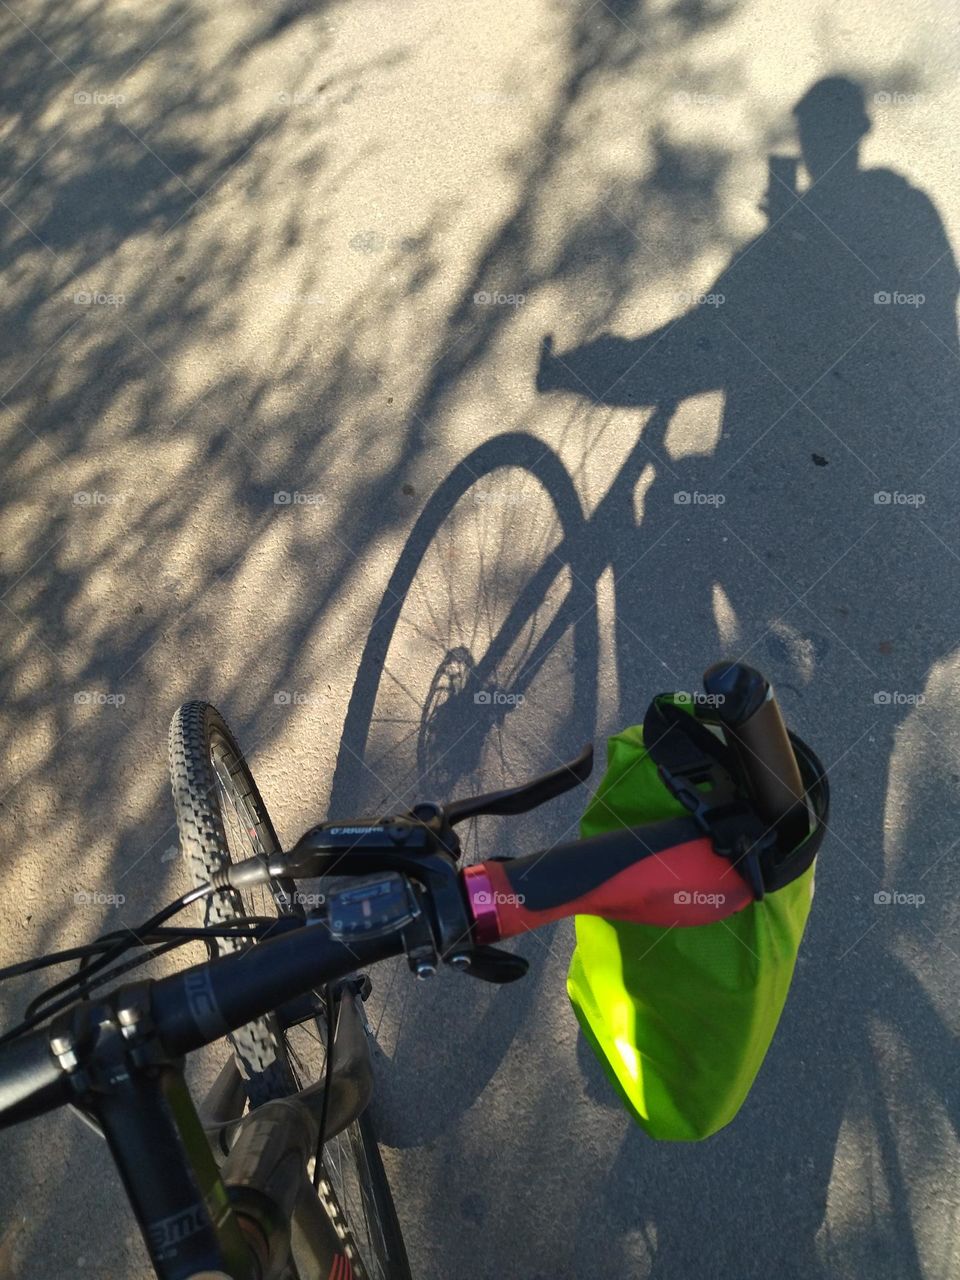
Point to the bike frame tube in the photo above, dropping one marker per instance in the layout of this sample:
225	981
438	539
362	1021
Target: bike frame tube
186	1208
170	1176
575	550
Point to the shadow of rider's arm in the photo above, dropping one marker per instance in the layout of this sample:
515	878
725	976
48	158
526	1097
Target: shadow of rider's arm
682	358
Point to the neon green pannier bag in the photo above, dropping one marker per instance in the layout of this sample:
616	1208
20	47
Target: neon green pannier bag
682	1017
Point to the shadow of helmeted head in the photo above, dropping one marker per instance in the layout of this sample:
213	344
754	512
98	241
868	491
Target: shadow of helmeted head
831	119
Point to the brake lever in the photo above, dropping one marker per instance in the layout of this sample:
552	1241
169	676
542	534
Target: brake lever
530	795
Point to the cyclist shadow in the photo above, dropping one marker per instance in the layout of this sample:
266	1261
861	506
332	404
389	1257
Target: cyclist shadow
814	537
768	542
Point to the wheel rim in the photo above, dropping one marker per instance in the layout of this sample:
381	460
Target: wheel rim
478	681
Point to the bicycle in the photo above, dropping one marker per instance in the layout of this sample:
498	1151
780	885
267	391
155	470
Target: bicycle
273	1177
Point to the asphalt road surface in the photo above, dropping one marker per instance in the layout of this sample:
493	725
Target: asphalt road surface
273	274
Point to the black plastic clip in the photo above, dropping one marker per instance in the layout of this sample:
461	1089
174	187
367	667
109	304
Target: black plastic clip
735	830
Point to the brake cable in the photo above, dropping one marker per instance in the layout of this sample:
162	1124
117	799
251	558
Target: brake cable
327	1082
35	1015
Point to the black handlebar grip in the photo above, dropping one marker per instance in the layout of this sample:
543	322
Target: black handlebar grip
749	711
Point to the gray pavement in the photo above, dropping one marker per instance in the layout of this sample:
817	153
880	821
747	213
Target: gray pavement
276	280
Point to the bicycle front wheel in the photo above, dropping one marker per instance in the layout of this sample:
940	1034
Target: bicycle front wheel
222	819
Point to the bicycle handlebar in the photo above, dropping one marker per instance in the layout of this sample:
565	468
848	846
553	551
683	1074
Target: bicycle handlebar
620	875
186	1010
201	1004
32	1081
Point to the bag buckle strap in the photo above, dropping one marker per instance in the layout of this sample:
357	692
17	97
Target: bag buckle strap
734	829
